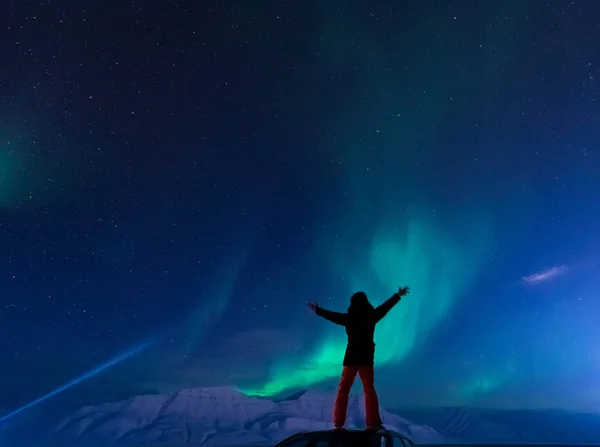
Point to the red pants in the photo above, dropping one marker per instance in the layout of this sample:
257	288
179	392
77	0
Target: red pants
371	401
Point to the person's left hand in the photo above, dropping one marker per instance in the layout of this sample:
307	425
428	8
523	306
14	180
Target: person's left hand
403	291
313	306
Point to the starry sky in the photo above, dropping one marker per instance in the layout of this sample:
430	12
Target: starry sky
178	178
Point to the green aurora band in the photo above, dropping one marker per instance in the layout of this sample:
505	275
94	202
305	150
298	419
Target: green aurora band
381	119
438	267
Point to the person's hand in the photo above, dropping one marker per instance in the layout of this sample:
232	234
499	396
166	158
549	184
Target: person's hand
313	306
403	291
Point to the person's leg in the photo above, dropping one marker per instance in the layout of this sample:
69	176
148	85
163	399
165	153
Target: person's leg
341	401
367	378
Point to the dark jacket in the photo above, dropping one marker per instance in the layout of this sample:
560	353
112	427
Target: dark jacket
360	321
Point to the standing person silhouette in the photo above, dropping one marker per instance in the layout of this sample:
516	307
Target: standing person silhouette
359	321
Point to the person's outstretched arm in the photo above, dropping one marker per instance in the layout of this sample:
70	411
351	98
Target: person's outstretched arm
334	317
382	310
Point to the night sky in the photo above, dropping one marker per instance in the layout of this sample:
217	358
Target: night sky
178	178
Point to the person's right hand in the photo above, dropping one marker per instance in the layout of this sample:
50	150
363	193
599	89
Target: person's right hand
313	306
403	291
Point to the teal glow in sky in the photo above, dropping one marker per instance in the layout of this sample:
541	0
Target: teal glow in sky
9	171
438	265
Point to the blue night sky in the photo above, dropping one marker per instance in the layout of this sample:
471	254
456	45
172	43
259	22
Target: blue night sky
177	179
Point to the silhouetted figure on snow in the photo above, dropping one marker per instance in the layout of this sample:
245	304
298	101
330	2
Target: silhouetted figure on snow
359	321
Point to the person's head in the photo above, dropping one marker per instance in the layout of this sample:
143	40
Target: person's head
359	302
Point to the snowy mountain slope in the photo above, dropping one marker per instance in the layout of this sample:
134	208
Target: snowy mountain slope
213	417
476	425
224	417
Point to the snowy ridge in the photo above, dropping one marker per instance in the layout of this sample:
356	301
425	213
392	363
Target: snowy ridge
225	417
214	417
464	423
475	425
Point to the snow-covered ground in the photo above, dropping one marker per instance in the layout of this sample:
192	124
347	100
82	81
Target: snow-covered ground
215	417
476	425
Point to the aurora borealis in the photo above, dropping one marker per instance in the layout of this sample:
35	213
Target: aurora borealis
438	267
198	172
